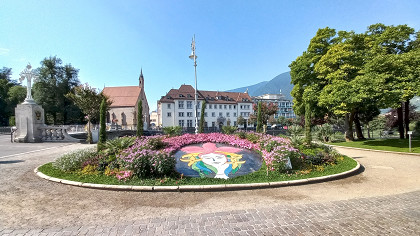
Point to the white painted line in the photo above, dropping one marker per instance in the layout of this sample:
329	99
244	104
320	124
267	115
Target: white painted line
39	150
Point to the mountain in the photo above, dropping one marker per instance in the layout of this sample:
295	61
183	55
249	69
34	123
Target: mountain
282	81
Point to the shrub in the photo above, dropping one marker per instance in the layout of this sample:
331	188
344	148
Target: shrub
172	130
228	129
146	158
74	160
108	154
324	133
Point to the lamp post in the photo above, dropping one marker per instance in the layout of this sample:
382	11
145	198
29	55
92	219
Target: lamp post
194	57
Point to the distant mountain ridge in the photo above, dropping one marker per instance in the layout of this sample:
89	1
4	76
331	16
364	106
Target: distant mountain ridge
280	82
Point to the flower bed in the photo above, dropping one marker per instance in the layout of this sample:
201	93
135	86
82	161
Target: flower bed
147	158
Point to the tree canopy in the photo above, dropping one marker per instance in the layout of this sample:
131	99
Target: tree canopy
353	75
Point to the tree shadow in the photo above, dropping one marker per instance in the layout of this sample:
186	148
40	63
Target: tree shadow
11	162
398	143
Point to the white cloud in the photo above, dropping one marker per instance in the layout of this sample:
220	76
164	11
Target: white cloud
4	51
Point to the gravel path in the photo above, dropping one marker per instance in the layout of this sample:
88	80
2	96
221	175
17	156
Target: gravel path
383	198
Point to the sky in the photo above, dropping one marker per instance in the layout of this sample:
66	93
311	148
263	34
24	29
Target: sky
238	42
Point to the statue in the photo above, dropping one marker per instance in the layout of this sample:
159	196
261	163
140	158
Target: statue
28	74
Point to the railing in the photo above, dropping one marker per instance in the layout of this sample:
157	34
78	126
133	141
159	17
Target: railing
5	130
56	133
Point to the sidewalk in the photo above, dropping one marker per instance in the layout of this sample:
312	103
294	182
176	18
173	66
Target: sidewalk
382	199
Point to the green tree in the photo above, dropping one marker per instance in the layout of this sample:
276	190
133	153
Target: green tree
308	125
139	131
102	128
267	110
240	120
259	118
88	99
307	85
395	61
6	83
203	109
49	90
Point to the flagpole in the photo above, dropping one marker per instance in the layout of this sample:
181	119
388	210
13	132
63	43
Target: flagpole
194	57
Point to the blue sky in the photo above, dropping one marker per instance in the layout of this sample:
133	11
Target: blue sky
238	43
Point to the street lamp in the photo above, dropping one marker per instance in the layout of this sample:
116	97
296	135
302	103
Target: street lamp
194	57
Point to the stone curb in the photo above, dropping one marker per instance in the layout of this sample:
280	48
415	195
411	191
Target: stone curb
202	188
374	150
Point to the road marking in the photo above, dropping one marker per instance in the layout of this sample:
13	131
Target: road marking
39	150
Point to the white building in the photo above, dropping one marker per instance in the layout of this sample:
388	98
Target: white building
176	108
285	105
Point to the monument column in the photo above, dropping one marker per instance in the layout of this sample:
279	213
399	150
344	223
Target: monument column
29	115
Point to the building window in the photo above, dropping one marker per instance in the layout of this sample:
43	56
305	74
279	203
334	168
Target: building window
181	114
181	104
220	106
189	123
169	106
205	114
241	106
213	114
210	106
220	114
189	114
234	106
205	124
227	114
169	114
230	106
225	106
234	123
234	114
181	123
189	104
213	124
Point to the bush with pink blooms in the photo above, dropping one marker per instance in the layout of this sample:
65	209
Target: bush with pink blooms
153	156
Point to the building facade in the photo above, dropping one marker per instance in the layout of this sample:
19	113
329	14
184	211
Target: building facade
123	110
176	108
285	105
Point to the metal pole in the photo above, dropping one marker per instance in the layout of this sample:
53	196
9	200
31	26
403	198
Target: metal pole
409	142
195	92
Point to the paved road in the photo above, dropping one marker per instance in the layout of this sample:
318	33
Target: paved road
383	199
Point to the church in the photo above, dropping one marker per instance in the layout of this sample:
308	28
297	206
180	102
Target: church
125	99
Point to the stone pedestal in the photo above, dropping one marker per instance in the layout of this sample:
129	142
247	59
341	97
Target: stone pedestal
29	120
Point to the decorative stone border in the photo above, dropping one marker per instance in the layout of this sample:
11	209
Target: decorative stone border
202	188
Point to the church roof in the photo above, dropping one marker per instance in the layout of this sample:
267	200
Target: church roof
125	96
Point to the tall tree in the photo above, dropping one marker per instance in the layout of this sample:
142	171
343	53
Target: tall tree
259	118
53	83
102	128
88	99
203	109
139	131
6	83
307	85
395	61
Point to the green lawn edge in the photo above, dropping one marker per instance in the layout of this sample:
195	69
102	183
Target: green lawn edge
392	145
259	176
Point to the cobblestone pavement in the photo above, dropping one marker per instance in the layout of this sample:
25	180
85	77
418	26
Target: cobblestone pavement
386	215
383	199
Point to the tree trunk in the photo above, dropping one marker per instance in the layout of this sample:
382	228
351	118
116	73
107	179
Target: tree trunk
368	130
407	118
308	135
349	127
400	121
358	127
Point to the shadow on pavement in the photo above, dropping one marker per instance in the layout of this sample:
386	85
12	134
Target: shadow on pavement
11	162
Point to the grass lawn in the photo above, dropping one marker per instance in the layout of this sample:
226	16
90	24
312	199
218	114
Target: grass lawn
260	176
395	145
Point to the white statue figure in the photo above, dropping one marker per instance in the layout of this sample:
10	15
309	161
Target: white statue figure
28	74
